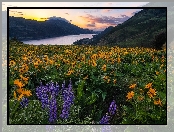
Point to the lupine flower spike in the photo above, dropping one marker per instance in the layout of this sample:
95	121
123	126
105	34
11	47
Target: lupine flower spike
112	108
105	119
68	98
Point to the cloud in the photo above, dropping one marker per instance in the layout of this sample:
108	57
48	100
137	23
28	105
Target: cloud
123	16
19	12
90	25
44	18
109	20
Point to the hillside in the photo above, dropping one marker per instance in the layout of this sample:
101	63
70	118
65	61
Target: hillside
142	29
25	29
170	18
95	38
139	30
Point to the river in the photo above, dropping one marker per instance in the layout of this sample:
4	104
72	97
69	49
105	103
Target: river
64	40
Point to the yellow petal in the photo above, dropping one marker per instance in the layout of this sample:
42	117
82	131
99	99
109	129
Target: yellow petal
15	95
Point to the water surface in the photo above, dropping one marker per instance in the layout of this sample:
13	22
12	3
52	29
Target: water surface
64	40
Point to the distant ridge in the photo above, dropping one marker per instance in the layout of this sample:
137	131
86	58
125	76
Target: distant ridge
141	30
25	29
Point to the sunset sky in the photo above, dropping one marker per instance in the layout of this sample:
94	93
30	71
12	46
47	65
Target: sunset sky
94	19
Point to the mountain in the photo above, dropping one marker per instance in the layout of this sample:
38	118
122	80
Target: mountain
139	30
95	39
142	29
58	18
170	18
25	29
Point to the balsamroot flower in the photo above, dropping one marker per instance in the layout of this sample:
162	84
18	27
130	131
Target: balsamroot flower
68	97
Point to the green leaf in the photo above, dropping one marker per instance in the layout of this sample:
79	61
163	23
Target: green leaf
104	95
92	98
80	92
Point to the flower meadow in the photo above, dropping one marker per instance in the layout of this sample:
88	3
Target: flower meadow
54	84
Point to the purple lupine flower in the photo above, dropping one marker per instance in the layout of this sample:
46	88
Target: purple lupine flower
112	108
47	95
52	110
105	119
45	100
68	97
42	94
56	89
53	91
24	102
51	88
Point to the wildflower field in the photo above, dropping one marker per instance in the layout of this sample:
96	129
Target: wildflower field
54	84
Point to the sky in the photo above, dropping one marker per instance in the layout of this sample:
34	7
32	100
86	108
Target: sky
93	19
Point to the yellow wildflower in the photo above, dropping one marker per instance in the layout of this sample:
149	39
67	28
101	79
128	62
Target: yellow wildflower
118	59
94	56
105	77
94	64
69	72
130	95
20	97
114	81
26	92
157	73
25	79
108	81
15	95
149	85
12	63
151	92
157	102
18	83
36	64
132	86
140	98
104	67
